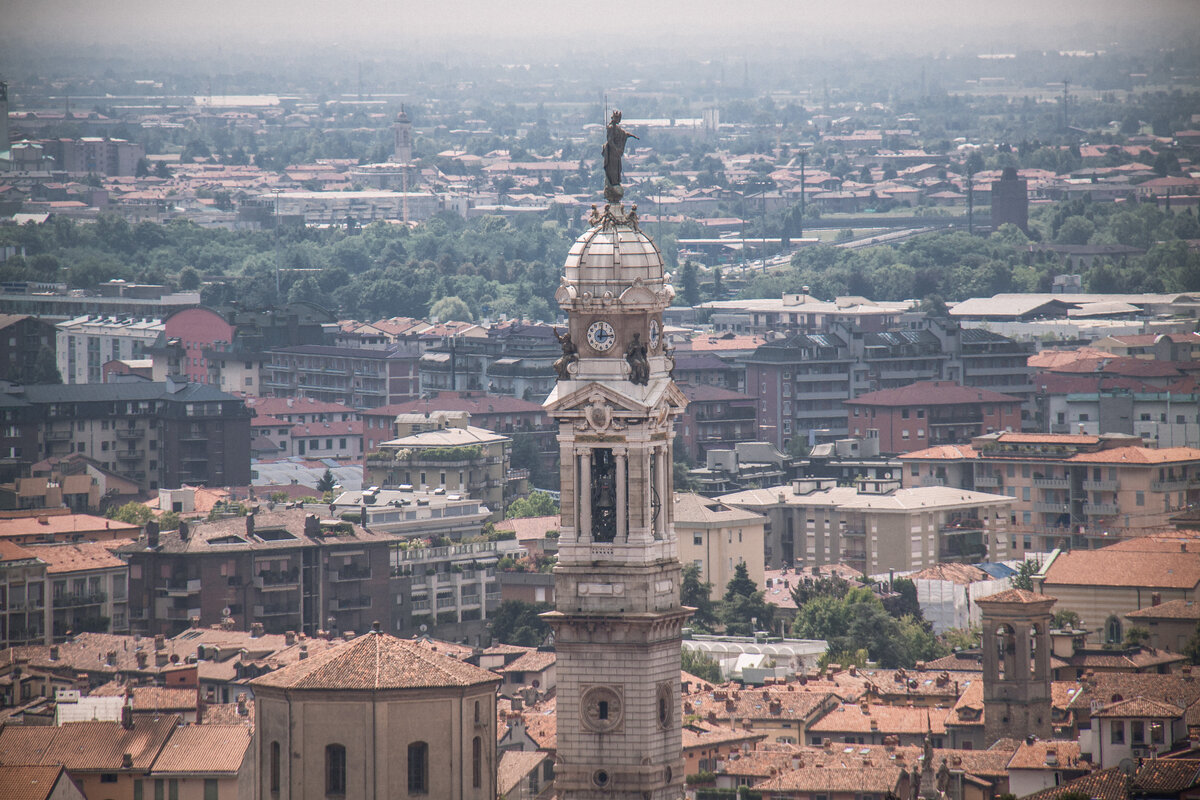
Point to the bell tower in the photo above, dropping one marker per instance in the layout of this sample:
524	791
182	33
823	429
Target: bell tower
1016	665
618	621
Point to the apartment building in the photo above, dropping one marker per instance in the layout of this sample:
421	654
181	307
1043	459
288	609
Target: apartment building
876	526
85	344
717	537
24	613
1076	490
1166	418
88	587
24	340
513	359
291	571
716	418
443	451
114	298
155	434
802	381
929	413
352	376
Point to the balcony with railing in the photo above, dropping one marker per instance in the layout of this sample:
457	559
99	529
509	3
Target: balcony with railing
1103	486
987	480
80	599
1051	483
130	455
273	581
129	433
1180	484
182	587
349	603
1100	509
275	610
350	572
420	605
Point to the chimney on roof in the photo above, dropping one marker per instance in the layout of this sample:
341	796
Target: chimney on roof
143	658
1051	756
127	758
242	709
375	627
312	525
249	524
303	652
184	530
111	658
152	534
1155	599
194	621
54	653
517	703
160	659
160	641
256	629
289	638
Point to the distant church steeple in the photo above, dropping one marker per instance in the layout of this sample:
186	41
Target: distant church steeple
402	138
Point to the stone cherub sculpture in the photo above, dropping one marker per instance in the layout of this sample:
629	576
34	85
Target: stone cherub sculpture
570	354
639	365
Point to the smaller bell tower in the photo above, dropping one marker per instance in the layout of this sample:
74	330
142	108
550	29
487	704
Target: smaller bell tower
1016	665
402	138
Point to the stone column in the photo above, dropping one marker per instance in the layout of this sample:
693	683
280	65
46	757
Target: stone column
622	457
660	485
584	495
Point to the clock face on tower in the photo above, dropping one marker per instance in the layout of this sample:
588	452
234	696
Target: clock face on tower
654	334
601	336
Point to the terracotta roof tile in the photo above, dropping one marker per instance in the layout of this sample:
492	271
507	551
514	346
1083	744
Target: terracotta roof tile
880	719
1139	707
931	393
514	766
30	782
531	662
1139	455
204	749
1172	609
1033	755
1014	596
88	746
376	661
80	556
1107	567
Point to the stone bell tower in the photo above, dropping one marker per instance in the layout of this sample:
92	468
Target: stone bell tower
618	621
1016	665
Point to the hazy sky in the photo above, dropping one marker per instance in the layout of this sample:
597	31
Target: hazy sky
545	27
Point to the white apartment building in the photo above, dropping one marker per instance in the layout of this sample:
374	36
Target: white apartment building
85	344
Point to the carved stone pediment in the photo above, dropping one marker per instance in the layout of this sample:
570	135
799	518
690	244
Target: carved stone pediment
572	398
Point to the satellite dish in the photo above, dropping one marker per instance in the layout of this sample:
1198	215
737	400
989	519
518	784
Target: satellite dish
226	611
1126	766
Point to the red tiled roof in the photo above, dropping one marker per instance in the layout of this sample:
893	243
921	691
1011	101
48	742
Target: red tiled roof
79	556
947	452
88	746
376	661
1014	596
204	749
931	393
53	524
1139	455
1118	567
30	782
1172	609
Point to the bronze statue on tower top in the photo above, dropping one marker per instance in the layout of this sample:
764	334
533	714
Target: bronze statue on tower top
613	151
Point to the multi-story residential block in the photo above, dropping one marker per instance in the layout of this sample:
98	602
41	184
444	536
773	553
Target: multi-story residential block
227	347
717	537
1074	489
513	359
802	381
805	313
156	434
443	451
24	613
928	413
95	155
25	341
291	571
85	344
110	299
716	419
358	377
511	416
1169	419
414	514
875	526
88	587
20	432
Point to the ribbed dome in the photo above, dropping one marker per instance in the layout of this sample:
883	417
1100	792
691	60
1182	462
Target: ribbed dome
611	258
